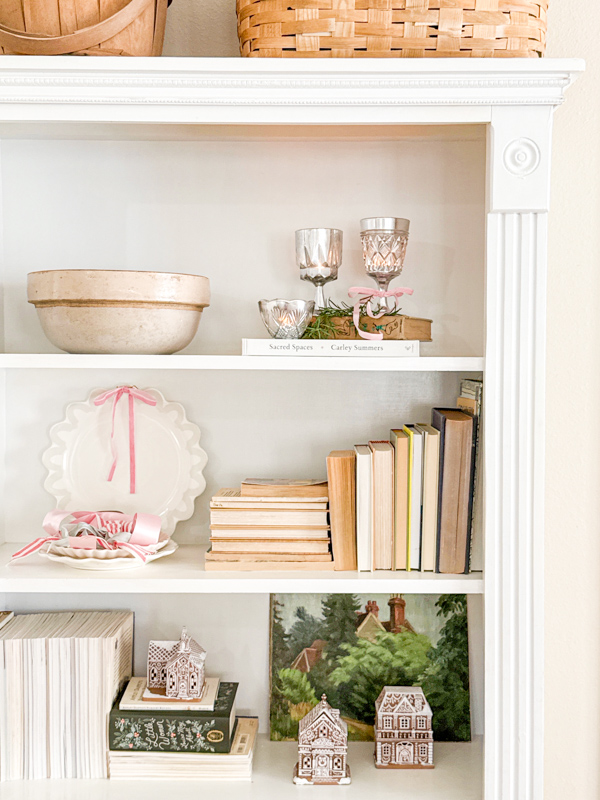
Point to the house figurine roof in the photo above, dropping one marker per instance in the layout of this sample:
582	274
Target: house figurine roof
404	699
323	709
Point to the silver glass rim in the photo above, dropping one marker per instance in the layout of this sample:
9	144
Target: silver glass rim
397	224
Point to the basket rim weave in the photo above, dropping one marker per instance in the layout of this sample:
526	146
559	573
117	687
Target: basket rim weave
392	28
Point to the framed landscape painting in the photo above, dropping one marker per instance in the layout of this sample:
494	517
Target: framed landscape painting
349	646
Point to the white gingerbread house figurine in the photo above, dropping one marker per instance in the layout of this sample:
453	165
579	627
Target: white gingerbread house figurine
177	668
322	747
403	735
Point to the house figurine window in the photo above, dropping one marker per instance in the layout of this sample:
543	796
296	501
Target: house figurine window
176	669
403	735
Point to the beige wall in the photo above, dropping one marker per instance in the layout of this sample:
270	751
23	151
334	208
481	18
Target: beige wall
573	422
207	28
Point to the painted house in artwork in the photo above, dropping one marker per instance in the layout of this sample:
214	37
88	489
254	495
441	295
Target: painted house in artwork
177	668
322	747
368	623
403	734
310	656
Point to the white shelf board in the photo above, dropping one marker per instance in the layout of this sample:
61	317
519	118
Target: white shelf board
457	776
183	573
233	362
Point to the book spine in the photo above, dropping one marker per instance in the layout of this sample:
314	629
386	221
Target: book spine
438	421
139	731
331	347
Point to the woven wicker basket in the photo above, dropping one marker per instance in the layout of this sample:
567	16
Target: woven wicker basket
83	27
392	28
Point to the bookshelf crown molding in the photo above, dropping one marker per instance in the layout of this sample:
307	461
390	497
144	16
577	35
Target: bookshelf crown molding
170	83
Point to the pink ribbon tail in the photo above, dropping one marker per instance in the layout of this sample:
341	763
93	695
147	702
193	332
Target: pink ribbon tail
132	395
365	297
144	530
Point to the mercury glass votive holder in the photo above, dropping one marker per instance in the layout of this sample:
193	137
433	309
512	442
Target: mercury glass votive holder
319	256
286	319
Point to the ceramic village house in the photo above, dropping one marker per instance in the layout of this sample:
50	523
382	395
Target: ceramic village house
403	734
177	667
322	747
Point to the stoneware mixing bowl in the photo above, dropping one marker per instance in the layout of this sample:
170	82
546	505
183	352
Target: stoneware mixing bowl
118	311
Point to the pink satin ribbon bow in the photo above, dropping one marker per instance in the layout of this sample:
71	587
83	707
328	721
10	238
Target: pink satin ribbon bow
108	530
365	297
132	395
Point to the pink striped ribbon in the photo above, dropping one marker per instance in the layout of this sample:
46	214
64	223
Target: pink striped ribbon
136	533
365	299
132	395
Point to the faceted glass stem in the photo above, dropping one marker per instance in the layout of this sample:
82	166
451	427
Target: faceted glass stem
319	299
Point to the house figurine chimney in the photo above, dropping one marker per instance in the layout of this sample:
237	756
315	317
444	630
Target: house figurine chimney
397	605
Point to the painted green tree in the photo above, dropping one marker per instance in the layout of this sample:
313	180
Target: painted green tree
446	681
339	623
394	659
280	658
305	630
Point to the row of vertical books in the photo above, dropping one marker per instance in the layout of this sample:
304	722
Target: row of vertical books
59	675
411	502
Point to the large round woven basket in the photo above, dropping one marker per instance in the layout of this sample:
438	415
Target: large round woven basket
392	28
83	27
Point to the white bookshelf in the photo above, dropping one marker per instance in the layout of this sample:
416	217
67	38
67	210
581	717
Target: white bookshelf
208	166
183	573
452	779
233	362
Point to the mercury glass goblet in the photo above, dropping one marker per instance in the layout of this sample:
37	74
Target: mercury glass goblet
384	241
286	319
319	256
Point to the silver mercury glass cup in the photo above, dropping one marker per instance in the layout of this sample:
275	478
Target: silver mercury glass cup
286	319
319	256
384	241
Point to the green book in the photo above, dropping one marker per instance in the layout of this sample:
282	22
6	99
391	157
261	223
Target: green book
175	731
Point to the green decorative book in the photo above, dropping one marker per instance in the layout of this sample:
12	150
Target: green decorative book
173	731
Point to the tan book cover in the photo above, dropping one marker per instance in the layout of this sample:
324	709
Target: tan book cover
296	546
232	498
456	431
283	487
267	566
400	442
431	461
238	517
341	477
383	504
212	556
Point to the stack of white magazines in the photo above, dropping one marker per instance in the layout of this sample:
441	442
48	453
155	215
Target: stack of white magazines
59	676
233	766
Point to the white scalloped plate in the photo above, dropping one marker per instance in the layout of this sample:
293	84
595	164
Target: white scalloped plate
169	460
111	563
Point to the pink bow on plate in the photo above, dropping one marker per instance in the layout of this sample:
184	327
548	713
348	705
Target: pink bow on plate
90	530
366	295
132	395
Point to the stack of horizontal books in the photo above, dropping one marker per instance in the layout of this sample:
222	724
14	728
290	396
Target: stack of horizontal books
162	738
270	525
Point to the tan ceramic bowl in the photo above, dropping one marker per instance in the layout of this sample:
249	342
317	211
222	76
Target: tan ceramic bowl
118	311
